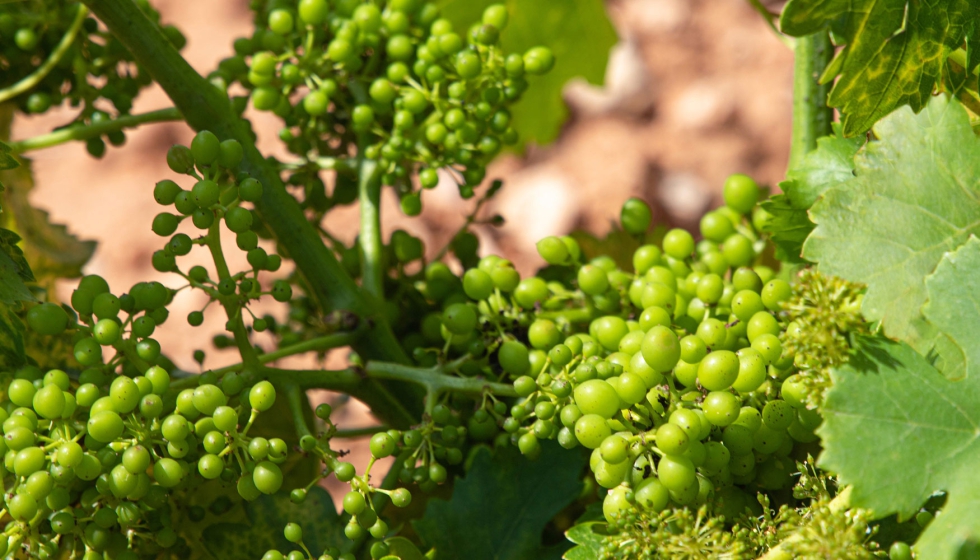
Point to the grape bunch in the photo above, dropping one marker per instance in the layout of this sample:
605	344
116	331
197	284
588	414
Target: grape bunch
673	375
216	197
91	464
66	55
392	79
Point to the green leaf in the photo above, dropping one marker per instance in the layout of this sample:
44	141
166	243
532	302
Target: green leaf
953	306
12	350
500	508
578	32
266	518
7	160
14	270
403	549
589	541
830	164
897	431
51	250
914	197
894	50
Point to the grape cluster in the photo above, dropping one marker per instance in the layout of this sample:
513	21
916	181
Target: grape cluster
95	65
674	374
391	78
90	465
216	197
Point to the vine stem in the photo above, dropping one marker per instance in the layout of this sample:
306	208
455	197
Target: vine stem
319	344
354	433
840	503
812	117
433	380
206	107
294	398
233	309
86	131
32	79
369	238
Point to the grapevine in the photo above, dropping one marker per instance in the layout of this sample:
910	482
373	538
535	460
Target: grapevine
694	400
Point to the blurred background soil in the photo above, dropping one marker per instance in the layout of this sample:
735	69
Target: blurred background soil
695	90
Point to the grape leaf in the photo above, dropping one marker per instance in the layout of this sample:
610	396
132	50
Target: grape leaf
578	32
831	163
894	50
897	431
13	353
14	270
267	516
52	251
953	306
403	549
7	160
914	197
588	540
500	508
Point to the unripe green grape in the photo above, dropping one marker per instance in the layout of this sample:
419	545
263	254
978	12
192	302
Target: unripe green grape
553	250
630	388
716	227
538	60
180	159
721	408
267	477
738	250
265	98
165	192
478	285
661	350
313	12
609	331
718	370
678	244
38	103
28	461
47	319
230	153
382	445
22	507
676	473
597	397
778	415
672	439
205	148
262	396
635	216
513	357
592	280
774	293
741	193
689	421
411	204
124	394
210	466
531	291
280	22
899	551
543	334
591	430
459	318
354	503
250	190
751	371
49	402
760	324
737	439
88	352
